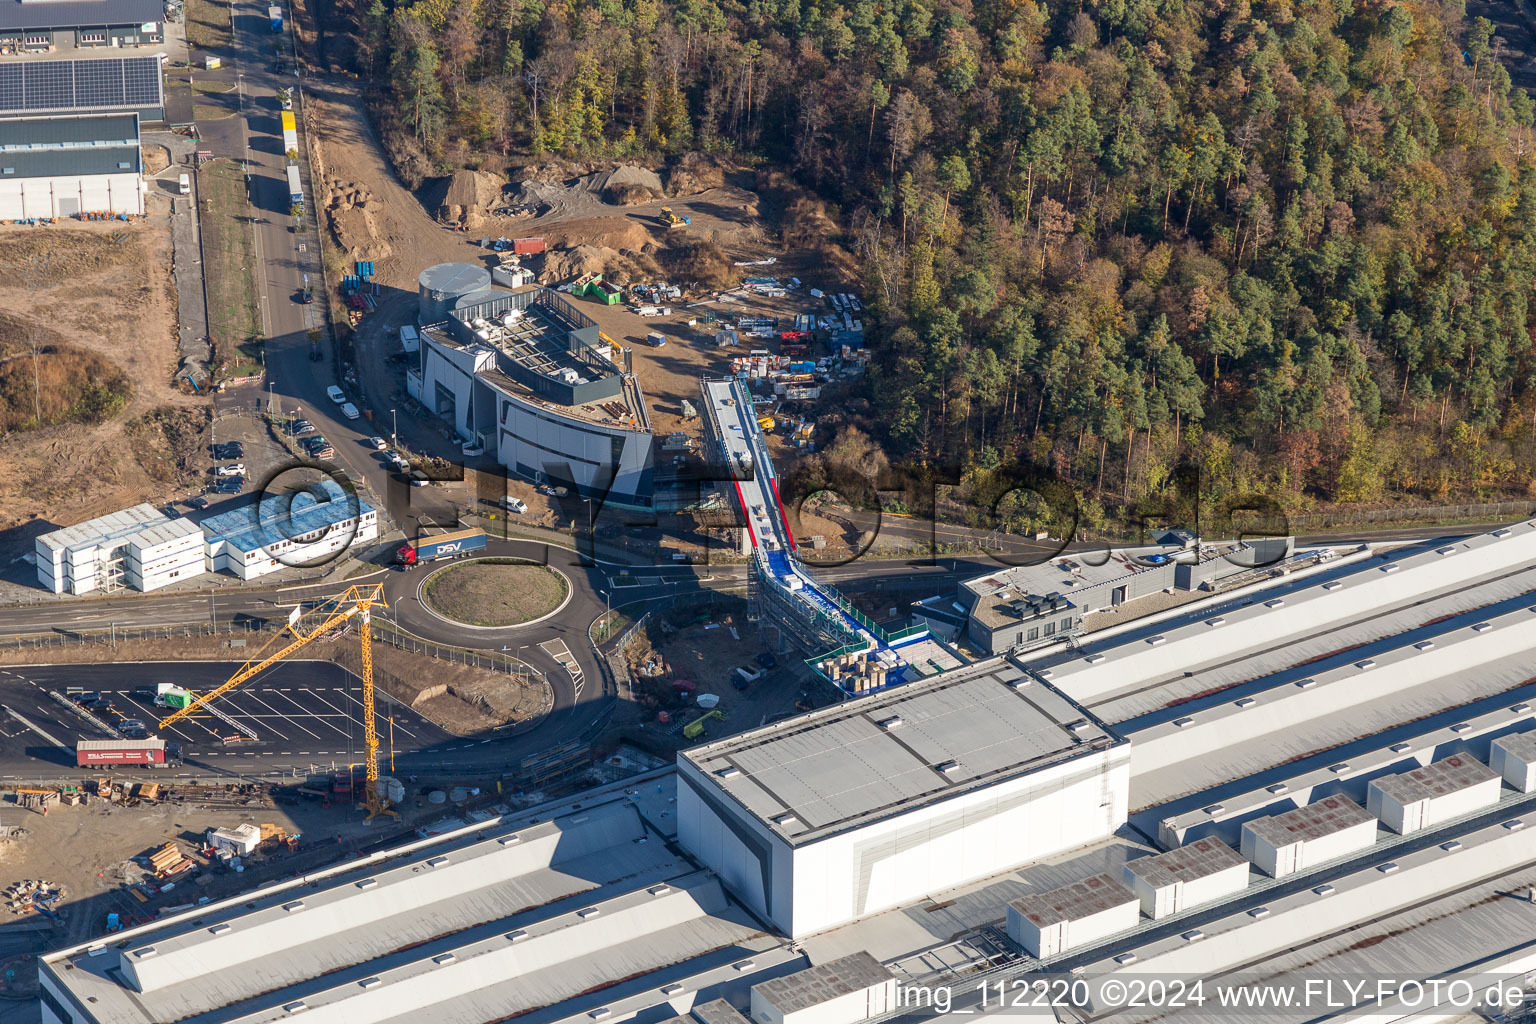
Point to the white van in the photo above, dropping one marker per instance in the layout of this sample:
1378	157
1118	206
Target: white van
185	184
512	504
335	394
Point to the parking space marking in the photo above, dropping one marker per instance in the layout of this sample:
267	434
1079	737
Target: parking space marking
323	718
398	724
297	724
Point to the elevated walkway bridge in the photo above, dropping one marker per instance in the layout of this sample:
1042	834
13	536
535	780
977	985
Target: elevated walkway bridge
782	588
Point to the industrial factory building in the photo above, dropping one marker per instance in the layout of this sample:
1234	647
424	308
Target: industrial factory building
527	375
60	166
979	825
1030	606
864	806
33	27
94	85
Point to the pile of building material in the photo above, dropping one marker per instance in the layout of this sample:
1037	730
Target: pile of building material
168	861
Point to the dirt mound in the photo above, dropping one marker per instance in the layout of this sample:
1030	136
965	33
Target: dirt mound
696	172
583	259
467	198
625	185
621	267
606	232
352	221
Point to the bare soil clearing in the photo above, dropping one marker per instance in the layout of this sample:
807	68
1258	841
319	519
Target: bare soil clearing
106	290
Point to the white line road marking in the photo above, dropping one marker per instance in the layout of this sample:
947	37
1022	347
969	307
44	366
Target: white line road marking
299	725
325	718
34	728
385	724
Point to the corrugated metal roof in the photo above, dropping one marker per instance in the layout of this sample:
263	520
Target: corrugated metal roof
891	753
110	529
69	163
164	533
30	133
15	15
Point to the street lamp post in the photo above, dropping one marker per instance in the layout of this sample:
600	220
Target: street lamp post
394	428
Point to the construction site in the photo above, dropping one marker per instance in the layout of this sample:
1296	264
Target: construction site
1303	767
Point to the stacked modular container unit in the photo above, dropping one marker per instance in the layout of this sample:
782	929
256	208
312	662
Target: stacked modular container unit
1307	836
1051	923
1435	793
843	991
1169	883
164	554
1514	757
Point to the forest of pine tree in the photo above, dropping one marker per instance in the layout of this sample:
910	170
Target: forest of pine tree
1289	241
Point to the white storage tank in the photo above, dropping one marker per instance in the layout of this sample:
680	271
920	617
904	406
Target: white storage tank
1204	870
1287	843
1435	793
439	286
1514	758
1050	923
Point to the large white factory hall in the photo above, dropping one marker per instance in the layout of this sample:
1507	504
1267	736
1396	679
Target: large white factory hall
1328	772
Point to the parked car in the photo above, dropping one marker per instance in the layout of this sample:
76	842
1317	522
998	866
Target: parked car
335	394
237	448
234	469
512	504
323	452
302	427
197	503
399	461
234	485
318	441
378	443
349	410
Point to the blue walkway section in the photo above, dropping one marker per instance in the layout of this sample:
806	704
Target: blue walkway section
745	452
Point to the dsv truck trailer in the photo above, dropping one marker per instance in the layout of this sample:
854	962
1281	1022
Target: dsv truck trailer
444	545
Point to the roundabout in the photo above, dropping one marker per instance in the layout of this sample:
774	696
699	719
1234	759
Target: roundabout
494	593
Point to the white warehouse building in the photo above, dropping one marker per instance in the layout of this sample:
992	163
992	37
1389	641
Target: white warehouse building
60	166
864	806
138	547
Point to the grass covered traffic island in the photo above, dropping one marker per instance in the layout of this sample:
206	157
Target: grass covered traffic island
494	592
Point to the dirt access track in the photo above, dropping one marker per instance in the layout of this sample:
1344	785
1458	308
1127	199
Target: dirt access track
103	290
378	218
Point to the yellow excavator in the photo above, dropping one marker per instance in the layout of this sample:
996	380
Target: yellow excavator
671	220
357	603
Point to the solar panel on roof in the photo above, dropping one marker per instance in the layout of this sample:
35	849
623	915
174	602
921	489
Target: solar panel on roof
65	84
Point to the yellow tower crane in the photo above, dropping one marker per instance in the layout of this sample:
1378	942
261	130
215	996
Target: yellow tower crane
357	602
